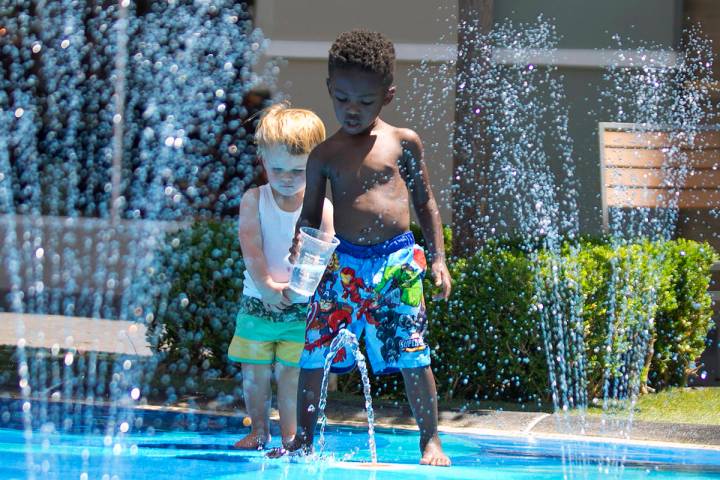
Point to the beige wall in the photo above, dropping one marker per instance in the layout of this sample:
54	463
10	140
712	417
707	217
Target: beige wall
417	21
302	80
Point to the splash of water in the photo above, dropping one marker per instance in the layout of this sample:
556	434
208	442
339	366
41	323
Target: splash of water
346	339
115	122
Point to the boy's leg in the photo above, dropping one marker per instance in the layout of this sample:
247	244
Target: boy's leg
257	393
287	384
422	395
308	397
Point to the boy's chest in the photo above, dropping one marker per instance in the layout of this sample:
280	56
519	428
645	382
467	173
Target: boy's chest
355	171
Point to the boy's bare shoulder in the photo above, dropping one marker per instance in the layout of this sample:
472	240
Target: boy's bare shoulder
408	136
251	193
408	139
250	197
405	136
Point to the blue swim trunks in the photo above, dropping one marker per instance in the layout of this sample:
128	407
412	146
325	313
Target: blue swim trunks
375	289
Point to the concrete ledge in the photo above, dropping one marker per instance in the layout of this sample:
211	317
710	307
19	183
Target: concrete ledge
535	424
73	255
79	333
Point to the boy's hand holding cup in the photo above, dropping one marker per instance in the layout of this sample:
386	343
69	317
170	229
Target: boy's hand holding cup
273	297
293	296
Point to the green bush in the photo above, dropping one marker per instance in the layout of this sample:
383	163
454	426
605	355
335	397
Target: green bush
488	343
200	276
484	340
684	319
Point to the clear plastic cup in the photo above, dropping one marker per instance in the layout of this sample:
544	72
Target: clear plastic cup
315	252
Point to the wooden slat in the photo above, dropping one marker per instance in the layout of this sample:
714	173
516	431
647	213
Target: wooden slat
656	177
641	157
657	197
650	139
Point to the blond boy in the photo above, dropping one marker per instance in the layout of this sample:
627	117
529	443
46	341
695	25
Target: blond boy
270	327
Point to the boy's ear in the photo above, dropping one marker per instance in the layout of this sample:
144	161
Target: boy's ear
389	94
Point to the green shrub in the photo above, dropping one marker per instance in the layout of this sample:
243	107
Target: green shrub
488	340
485	340
623	286
685	315
201	278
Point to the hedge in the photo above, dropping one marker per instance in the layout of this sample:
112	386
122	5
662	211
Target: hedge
197	285
487	341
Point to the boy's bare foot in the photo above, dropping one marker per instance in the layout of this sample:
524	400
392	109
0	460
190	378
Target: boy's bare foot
252	441
293	447
432	454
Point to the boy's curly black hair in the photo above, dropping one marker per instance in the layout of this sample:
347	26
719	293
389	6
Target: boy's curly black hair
369	51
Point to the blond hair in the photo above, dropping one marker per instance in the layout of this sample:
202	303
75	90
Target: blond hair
297	129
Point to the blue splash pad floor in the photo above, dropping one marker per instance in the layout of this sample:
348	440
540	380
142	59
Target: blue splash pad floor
164	452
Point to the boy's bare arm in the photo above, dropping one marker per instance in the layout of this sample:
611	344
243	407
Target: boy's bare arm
311	214
251	243
416	177
327	225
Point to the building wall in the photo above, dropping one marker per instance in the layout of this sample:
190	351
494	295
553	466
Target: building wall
586	30
403	21
590	24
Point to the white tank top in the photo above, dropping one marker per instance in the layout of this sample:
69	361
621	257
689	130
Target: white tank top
277	227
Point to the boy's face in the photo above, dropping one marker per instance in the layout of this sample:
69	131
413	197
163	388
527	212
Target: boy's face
285	172
357	97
